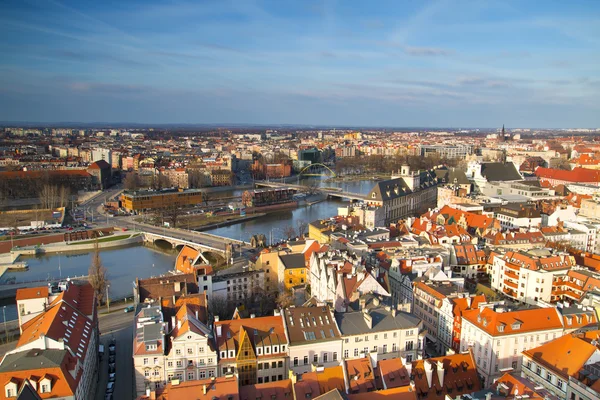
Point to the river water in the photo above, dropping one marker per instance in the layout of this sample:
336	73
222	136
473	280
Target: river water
123	265
275	224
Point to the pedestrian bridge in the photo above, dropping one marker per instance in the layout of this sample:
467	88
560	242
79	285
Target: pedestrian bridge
332	192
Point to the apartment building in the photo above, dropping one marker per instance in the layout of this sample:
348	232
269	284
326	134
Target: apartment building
530	276
558	364
31	302
292	271
254	349
57	353
314	338
498	336
181	349
379	332
238	286
149	348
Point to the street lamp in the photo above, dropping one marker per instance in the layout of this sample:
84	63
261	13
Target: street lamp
59	269
107	299
5	329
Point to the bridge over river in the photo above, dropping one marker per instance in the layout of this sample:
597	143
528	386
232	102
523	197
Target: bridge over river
332	192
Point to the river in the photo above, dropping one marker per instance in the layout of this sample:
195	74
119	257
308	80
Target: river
276	223
123	265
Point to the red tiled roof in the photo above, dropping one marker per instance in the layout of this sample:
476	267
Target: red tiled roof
577	174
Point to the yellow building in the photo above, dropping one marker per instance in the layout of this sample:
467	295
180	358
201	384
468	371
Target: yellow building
320	230
152	200
291	270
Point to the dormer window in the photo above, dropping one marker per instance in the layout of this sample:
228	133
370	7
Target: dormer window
516	326
500	328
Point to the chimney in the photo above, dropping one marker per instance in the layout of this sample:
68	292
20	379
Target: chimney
394	312
204	389
368	320
428	372
219	330
148	391
216	318
177	286
488	396
408	367
172	322
178	324
362	302
440	373
252	315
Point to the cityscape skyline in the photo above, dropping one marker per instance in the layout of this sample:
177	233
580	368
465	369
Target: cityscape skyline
436	64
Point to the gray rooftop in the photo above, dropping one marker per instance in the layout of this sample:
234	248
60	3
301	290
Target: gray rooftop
293	261
149	333
32	359
353	323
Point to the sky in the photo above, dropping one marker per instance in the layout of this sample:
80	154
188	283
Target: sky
399	63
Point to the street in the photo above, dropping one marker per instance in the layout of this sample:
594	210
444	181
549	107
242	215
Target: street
117	325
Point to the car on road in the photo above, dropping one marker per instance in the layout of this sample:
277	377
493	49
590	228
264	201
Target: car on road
111	349
110	387
112	377
128	309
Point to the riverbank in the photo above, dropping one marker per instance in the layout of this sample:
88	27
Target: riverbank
67	247
229	222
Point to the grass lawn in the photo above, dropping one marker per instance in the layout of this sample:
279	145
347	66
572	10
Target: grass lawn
105	239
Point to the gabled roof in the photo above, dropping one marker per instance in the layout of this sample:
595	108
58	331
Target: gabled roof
577	174
497	171
459	374
39	292
265	331
566	355
278	390
393	372
317	383
514	322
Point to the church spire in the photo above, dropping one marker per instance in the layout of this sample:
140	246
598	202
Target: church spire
502	129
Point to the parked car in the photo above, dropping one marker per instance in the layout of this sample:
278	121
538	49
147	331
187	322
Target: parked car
111	359
108	396
111	368
111	377
110	387
128	309
111	349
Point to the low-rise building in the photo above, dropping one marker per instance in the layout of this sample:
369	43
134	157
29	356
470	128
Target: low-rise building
254	349
314	338
145	200
498	337
380	333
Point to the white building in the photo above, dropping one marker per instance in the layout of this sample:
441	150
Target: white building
498	337
313	338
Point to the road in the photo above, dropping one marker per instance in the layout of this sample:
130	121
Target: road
117	325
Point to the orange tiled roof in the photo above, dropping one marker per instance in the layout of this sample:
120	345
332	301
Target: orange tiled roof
361	377
567	354
39	292
397	393
316	383
511	322
278	390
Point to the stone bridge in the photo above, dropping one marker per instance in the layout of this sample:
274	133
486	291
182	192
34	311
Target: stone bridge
178	243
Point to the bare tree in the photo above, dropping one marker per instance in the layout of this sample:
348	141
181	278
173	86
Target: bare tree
218	306
289	232
285	299
131	181
97	275
171	214
302	225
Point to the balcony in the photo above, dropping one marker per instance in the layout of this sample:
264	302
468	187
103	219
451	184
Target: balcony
510	274
509	292
511	284
512	266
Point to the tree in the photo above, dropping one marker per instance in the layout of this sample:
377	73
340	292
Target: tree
171	214
131	181
285	299
302	225
97	275
289	232
219	306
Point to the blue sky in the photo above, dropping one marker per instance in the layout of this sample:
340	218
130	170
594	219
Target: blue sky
378	63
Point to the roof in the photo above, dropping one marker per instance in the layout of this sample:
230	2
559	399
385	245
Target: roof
261	331
320	382
39	174
511	384
40	292
291	261
497	171
578	174
567	354
36	365
222	388
498	323
459	374
310	324
393	373
398	393
278	390
354	323
452	175
361	377
166	286
100	164
390	189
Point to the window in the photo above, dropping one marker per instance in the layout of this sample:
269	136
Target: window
190	376
155	360
179	363
145	361
280	364
170	364
266	365
335	356
202	374
295	361
274	364
316	358
409	345
345	353
355	352
147	373
260	379
305	360
384	348
45	389
324	357
178	352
